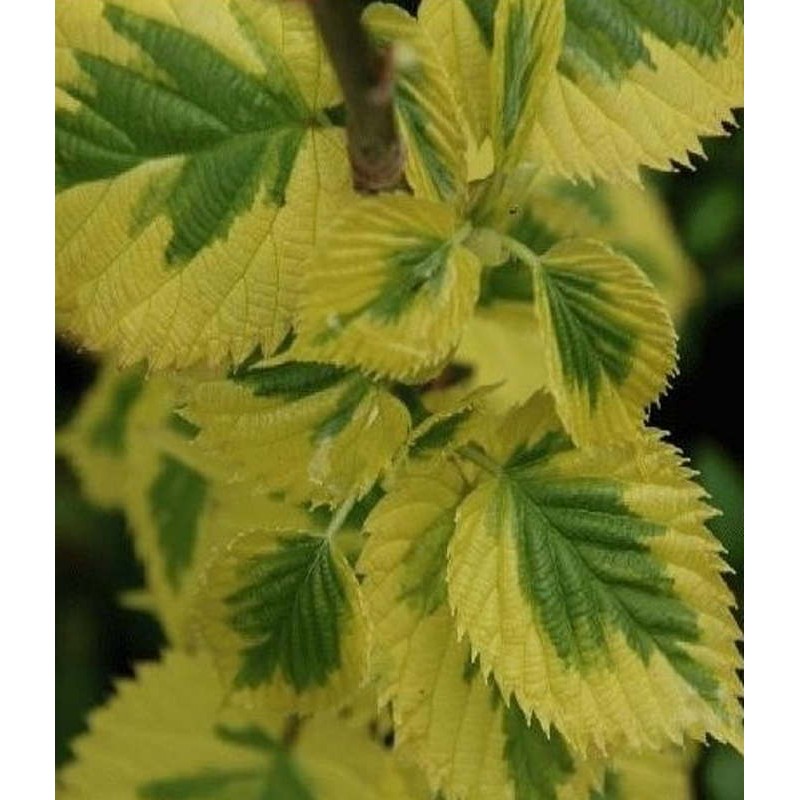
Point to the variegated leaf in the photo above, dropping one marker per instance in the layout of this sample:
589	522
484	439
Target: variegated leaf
309	430
609	344
589	585
282	612
133	452
656	774
195	168
456	726
527	44
632	220
463	34
502	348
636	84
390	288
96	439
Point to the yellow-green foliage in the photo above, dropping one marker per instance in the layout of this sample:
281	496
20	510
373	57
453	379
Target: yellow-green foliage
385	459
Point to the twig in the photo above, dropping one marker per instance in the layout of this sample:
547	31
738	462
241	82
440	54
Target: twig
366	75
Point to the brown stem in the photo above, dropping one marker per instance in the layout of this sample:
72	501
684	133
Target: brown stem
366	76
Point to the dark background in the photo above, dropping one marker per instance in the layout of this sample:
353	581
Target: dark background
97	640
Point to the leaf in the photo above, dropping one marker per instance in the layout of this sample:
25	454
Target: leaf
166	736
653	774
167	497
449	418
173	502
527	44
404	562
135	453
456	29
185	207
96	439
281	610
638	84
590	587
632	220
329	431
608	340
429	117
390	288
130	451
502	345
447	717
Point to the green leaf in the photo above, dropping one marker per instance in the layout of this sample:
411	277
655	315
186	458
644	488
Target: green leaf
577	573
183	203
282	612
608	340
177	498
390	288
330	432
168	735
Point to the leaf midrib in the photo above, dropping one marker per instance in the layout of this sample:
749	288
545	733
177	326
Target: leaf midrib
556	537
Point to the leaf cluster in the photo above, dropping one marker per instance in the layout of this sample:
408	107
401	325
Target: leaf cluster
385	458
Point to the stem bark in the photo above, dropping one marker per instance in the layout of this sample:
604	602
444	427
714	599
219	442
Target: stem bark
365	74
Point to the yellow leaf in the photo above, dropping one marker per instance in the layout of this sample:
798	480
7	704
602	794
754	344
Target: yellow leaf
452	26
310	430
591	588
654	774
595	126
169	735
186	206
390	288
